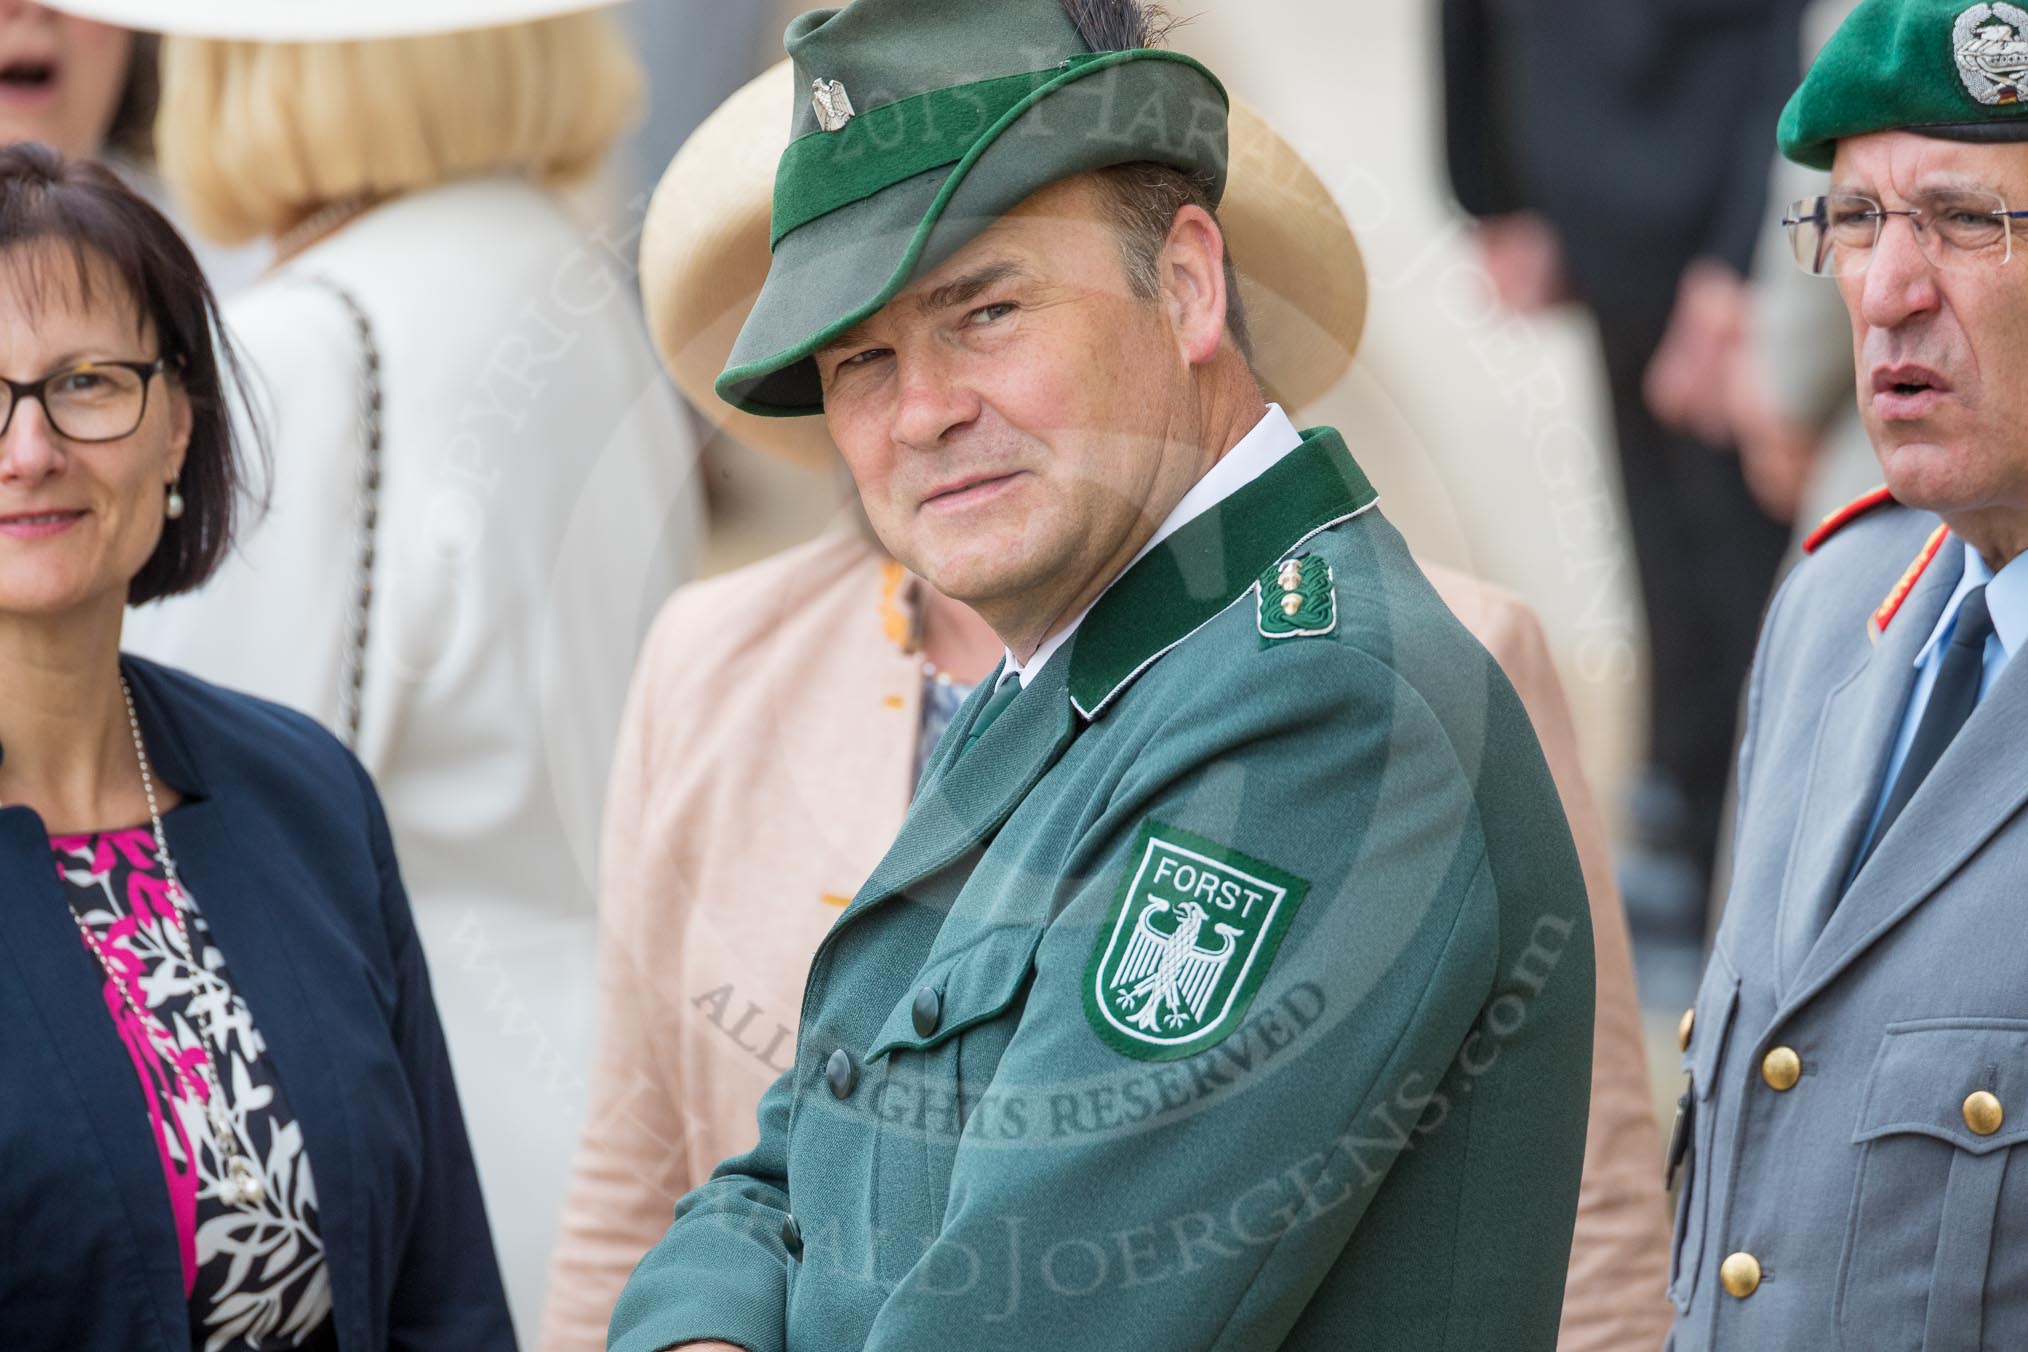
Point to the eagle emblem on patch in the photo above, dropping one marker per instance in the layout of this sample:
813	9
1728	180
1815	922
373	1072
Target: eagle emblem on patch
1297	599
1990	45
1186	946
833	105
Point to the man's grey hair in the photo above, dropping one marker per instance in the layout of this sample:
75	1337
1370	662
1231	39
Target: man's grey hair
1142	198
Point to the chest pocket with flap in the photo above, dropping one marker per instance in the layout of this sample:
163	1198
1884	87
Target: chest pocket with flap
1937	1217
928	1070
960	991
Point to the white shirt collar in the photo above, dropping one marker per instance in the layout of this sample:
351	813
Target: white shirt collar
2006	602
1273	437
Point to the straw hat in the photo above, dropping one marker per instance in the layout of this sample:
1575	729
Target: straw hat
316	20
705	255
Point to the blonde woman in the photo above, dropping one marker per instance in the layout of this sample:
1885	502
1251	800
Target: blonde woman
480	490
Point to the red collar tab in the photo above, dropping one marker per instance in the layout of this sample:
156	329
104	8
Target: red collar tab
1839	519
1892	605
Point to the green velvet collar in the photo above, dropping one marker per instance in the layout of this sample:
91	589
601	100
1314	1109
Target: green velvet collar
1209	563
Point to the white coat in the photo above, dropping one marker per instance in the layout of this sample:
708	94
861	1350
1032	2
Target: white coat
535	510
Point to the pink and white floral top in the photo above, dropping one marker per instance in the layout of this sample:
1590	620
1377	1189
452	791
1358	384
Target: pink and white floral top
254	1274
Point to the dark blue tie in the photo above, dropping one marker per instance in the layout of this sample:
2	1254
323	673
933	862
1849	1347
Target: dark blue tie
1951	701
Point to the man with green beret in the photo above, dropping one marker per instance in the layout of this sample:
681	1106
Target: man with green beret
1229	983
1853	1145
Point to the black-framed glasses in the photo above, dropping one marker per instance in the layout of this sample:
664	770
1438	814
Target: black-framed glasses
91	401
1956	228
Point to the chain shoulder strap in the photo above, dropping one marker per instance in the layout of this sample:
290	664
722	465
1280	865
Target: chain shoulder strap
359	614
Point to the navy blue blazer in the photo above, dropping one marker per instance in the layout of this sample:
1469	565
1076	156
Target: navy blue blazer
282	840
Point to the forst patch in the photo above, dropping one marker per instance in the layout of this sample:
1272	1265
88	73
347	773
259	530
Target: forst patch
1187	944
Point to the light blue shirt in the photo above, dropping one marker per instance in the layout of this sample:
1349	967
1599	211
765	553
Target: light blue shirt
2007	603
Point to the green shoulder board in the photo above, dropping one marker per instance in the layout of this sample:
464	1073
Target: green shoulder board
1297	599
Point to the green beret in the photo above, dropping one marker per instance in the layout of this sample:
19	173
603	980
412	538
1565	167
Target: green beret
917	125
1938	67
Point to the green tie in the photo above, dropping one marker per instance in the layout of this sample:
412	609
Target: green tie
997	705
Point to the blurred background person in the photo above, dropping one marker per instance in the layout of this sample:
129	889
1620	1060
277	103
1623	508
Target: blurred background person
1788	386
230	1123
1616	155
480	492
1777	382
89	89
82	87
782	714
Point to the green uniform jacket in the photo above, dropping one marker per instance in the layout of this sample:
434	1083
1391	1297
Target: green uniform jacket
1232	990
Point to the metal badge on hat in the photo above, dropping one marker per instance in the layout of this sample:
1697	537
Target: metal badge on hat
1990	44
833	105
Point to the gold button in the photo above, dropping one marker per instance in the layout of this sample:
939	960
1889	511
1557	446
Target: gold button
1683	1027
1983	1113
1781	1068
1740	1274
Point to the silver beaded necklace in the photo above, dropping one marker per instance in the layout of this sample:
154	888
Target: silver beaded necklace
239	1184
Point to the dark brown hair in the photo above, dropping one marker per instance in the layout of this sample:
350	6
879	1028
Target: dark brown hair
51	208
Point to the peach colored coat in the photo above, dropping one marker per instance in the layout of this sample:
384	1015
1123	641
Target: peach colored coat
765	764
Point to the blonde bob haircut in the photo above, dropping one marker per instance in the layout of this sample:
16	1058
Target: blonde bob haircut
254	136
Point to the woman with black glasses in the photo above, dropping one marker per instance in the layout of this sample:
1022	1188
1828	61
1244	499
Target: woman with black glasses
226	1113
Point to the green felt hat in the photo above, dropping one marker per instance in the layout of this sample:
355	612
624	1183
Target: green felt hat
918	123
1939	67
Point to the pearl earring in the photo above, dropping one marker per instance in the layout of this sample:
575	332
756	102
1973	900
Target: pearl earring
173	508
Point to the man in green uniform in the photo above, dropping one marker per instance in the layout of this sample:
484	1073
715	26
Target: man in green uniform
1229	984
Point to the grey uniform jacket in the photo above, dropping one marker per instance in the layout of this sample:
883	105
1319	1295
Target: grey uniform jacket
1877	1217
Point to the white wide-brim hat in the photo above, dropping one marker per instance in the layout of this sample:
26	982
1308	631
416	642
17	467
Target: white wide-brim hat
704	255
317	20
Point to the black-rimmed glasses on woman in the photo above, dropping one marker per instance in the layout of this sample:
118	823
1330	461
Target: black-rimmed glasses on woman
90	401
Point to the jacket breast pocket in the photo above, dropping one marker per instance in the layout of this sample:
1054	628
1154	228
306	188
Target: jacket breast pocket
1934	1256
929	1070
1711	1025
